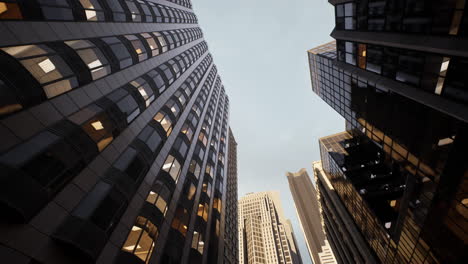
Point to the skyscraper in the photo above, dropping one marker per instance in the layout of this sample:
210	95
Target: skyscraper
265	235
345	238
308	212
397	75
231	244
114	134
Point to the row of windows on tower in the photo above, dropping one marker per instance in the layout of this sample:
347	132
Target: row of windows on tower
138	242
124	177
408	16
40	160
185	3
94	10
434	73
53	68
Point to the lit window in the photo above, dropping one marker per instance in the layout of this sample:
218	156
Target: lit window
48	68
92	57
138	47
172	166
442	74
180	221
10	11
99	128
164	121
140	241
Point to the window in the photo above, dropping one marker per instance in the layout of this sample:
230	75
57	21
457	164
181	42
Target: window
180	221
197	242
194	168
158	196
144	89
117	11
175	108
151	44
95	122
203	211
103	206
130	163
138	47
120	51
46	158
362	56
126	103
181	97
209	170
187	130
217	204
162	41
141	239
49	69
151	138
133	10
92	57
9	101
10	11
56	10
202	138
158	80
93	10
189	190
172	166
165	122
206	188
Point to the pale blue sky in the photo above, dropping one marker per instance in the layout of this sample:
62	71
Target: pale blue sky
260	49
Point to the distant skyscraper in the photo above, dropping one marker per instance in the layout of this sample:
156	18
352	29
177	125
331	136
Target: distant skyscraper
265	236
231	244
398	77
114	135
308	211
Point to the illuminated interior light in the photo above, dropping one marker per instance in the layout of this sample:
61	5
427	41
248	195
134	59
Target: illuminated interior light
90	14
3	8
143	92
167	166
392	203
135	228
10	108
388	225
444	65
138	51
131	247
445	141
46	65
97	125
95	64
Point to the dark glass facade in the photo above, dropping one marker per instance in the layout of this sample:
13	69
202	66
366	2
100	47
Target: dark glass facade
231	244
396	74
114	135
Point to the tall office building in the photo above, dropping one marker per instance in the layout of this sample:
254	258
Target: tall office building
231	244
398	77
114	134
344	237
265	235
309	215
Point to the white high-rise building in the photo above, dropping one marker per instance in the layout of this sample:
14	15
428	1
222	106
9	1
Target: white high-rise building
265	235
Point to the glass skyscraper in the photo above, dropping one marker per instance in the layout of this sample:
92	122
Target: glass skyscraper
396	73
114	135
